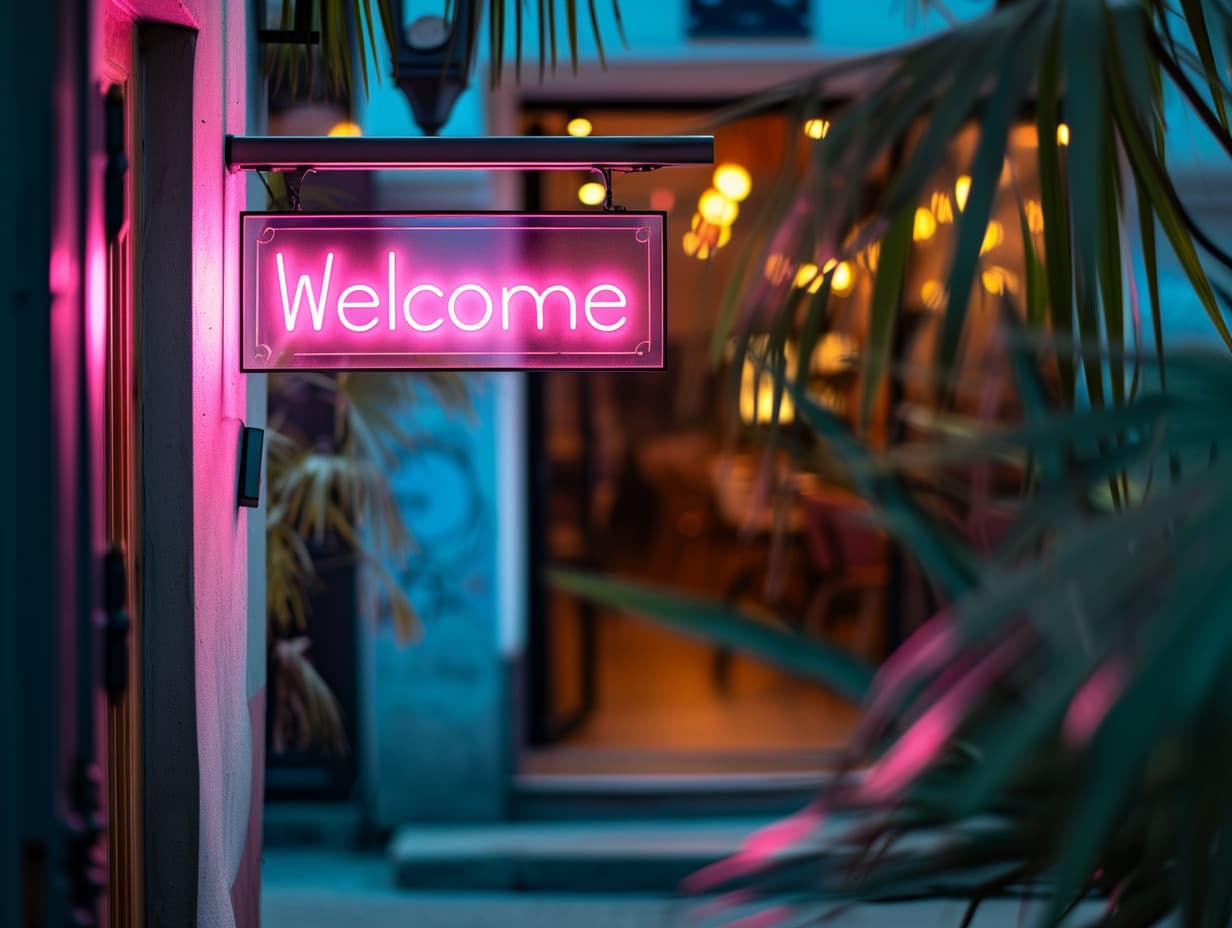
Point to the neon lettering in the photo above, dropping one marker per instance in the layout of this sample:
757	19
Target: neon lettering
291	313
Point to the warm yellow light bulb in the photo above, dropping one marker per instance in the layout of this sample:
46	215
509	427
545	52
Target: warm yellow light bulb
1062	135
777	268
844	279
691	242
345	128
579	125
592	193
933	294
817	128
870	255
1035	216
733	181
962	187
941	208
717	209
757	393
805	274
925	225
997	280
710	235
994	235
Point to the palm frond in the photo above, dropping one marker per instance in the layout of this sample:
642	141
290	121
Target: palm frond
1067	699
1092	60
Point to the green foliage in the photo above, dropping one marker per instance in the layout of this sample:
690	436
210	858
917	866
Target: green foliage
340	56
1061	727
726	625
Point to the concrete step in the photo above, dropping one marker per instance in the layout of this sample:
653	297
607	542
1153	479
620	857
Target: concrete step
591	856
549	797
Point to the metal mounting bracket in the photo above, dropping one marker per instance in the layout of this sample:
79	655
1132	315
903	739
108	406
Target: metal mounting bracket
512	153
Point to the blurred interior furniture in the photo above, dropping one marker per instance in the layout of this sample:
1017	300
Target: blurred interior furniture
757	521
849	556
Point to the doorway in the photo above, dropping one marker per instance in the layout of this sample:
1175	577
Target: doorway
654	477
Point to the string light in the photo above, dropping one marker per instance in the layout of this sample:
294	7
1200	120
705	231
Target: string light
345	128
817	128
994	235
579	126
733	181
925	225
962	187
997	280
933	294
844	279
717	209
941	208
1062	135
591	193
1035	217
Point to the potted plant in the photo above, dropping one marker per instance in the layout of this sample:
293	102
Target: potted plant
1059	726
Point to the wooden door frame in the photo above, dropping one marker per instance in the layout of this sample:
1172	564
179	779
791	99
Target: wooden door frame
645	80
125	858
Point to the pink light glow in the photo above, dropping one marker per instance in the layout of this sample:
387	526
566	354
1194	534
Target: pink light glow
924	740
472	291
1092	701
759	848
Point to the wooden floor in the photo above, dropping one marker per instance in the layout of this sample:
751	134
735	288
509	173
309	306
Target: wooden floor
660	710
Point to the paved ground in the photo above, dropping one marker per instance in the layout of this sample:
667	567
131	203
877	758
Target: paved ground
322	889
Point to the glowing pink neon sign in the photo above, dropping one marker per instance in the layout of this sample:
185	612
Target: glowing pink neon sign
532	291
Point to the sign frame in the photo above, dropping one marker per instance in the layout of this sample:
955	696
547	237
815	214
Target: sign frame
247	368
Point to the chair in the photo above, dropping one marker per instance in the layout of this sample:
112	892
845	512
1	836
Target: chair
850	555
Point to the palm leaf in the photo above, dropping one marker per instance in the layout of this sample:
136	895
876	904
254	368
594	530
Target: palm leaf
725	625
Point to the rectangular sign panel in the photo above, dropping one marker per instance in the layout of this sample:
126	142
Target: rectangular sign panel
466	291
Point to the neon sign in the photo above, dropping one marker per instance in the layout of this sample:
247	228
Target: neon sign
495	291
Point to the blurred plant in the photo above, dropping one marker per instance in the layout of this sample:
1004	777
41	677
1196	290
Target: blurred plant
1060	727
334	490
372	22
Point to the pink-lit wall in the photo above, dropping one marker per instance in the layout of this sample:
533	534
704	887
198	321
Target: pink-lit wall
229	670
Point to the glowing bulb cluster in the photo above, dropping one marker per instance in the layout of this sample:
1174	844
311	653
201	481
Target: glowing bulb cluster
924	226
942	208
817	128
717	209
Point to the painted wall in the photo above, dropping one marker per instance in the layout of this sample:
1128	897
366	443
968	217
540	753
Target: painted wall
230	693
228	690
37	187
438	707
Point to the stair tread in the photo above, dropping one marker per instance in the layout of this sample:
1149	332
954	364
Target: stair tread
603	839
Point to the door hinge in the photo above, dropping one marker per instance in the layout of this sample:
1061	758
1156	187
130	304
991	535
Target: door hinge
114	191
116	624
